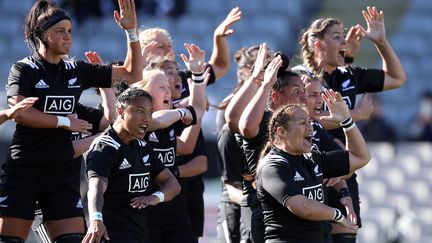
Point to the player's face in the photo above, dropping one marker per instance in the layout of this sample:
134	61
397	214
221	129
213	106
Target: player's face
332	48
314	100
59	38
138	116
159	88
174	79
163	47
298	134
293	93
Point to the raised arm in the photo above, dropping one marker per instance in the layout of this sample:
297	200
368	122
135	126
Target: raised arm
220	58
358	150
131	71
253	113
243	96
394	72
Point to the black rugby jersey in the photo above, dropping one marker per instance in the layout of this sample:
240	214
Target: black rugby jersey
322	140
230	159
129	169
58	87
252	148
280	176
350	81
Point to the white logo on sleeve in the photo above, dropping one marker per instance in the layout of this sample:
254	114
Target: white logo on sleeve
172	135
345	85
298	177
139	182
124	165
41	85
2	200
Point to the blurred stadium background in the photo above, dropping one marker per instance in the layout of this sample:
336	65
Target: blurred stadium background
400	175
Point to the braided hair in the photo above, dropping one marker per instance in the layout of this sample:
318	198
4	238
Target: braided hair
315	32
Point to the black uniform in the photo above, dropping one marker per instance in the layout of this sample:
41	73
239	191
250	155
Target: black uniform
170	220
129	170
193	188
40	165
252	215
280	176
231	159
93	116
350	81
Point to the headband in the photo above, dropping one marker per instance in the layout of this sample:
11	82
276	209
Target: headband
48	22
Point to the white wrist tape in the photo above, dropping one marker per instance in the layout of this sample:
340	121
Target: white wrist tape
338	216
132	35
181	112
160	195
198	78
63	122
96	216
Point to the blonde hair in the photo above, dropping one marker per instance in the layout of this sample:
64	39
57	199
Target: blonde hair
147	35
315	32
148	74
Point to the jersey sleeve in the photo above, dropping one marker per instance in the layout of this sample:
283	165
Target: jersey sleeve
334	163
100	160
230	156
91	115
19	80
327	140
369	80
156	166
98	76
278	180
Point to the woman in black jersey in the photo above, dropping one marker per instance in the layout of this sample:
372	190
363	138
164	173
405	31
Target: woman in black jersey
323	49
40	163
120	166
15	110
290	175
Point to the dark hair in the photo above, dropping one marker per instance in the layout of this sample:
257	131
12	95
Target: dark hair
130	95
43	15
315	32
280	118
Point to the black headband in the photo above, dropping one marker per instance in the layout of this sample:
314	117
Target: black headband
48	22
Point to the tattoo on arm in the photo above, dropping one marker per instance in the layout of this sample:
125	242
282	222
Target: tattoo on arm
97	187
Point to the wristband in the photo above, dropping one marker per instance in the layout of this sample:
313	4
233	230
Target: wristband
63	122
198	77
131	35
347	124
191	109
344	192
338	216
96	216
160	195
349	60
181	112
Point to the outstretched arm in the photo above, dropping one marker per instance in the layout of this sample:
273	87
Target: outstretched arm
131	71
220	58
394	72
15	110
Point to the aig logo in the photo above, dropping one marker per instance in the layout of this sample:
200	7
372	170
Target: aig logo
139	182
314	193
166	156
59	104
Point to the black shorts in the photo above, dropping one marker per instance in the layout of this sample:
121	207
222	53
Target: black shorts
58	195
334	198
171	228
195	203
126	225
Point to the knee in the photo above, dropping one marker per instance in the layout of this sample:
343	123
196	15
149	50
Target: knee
69	238
10	239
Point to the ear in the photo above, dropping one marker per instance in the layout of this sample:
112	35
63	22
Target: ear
275	97
120	111
280	132
317	44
